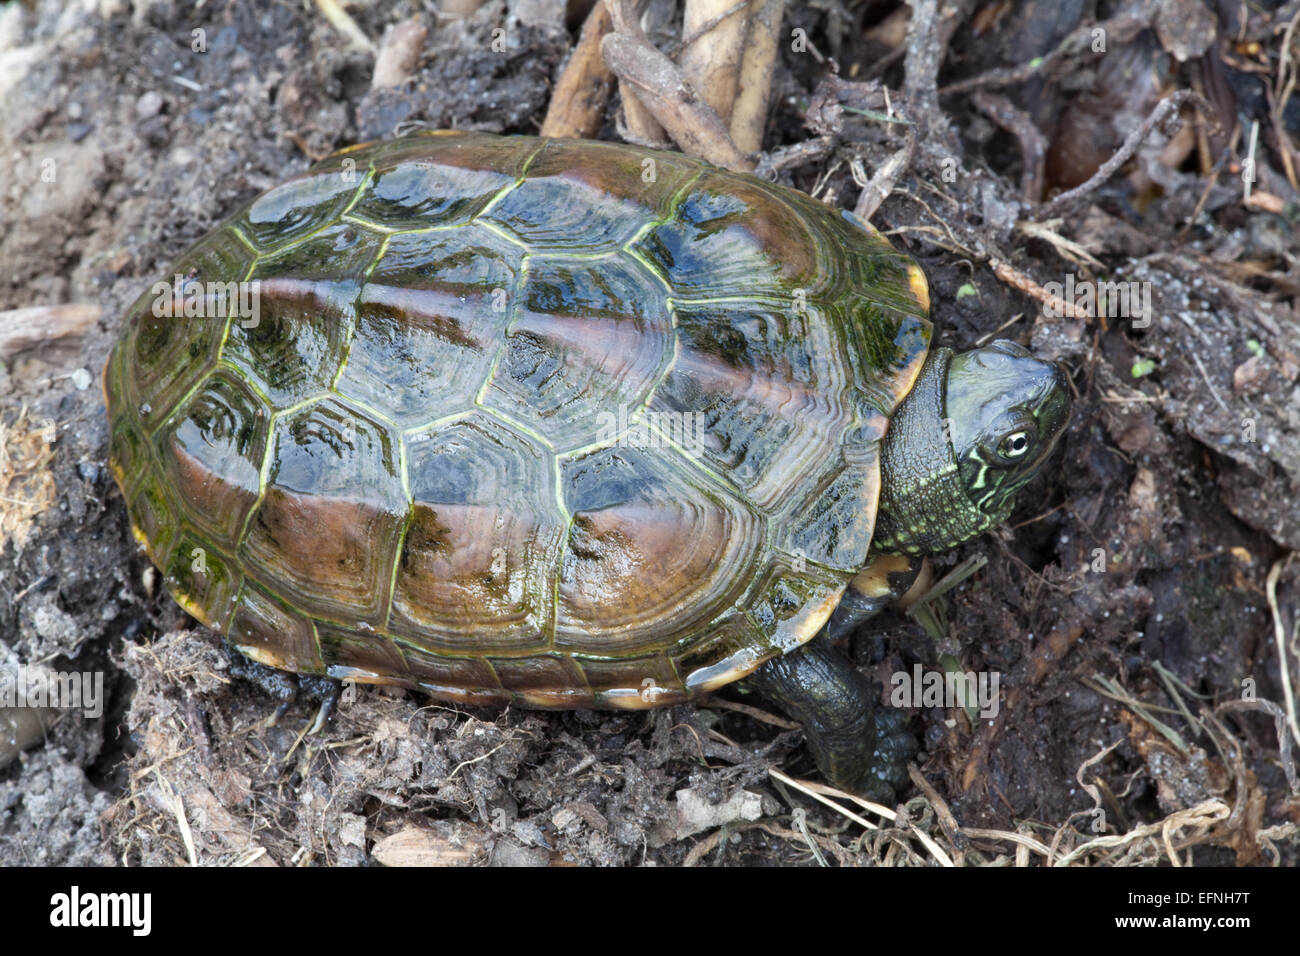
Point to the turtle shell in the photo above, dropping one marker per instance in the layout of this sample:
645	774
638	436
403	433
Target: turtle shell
502	418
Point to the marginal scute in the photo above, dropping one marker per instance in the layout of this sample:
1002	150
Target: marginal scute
204	581
326	529
264	629
128	453
174	329
834	525
887	348
155	519
547	681
463	680
919	285
633	683
361	655
722	653
792	600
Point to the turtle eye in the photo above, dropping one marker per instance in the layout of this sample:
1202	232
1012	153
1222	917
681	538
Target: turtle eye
1015	445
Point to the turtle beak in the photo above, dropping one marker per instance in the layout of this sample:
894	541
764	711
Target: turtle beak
1054	410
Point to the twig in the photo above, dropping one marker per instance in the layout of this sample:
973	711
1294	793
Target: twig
1208	384
701	28
42	324
659	85
341	21
1170	104
1018	280
173	802
877	190
1119	29
1033	144
755	712
578	103
642	127
749	116
712	50
795	154
1279	636
942	812
399	52
815	791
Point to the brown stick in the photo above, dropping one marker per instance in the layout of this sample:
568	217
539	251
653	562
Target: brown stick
884	180
578	103
399	52
654	80
1018	280
1033	145
1169	105
37	325
641	126
455	9
716	43
749	117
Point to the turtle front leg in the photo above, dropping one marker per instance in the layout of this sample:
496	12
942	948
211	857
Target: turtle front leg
859	746
885	579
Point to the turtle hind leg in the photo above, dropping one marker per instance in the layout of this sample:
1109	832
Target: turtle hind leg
858	745
286	688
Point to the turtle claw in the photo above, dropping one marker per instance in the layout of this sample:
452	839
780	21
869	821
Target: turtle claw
327	691
273	718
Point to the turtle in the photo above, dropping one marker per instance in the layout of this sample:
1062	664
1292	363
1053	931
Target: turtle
564	424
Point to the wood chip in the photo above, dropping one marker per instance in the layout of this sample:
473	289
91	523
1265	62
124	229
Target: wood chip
22	329
440	845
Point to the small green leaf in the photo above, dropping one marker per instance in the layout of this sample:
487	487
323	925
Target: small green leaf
1036	62
1142	366
967	290
1256	349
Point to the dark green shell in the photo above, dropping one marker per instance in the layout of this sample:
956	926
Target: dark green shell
560	422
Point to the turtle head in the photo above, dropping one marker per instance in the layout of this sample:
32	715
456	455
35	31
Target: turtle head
1005	411
974	430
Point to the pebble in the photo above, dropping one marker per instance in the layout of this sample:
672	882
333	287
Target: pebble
149	104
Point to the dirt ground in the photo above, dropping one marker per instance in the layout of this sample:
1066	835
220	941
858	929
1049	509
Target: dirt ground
1148	666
